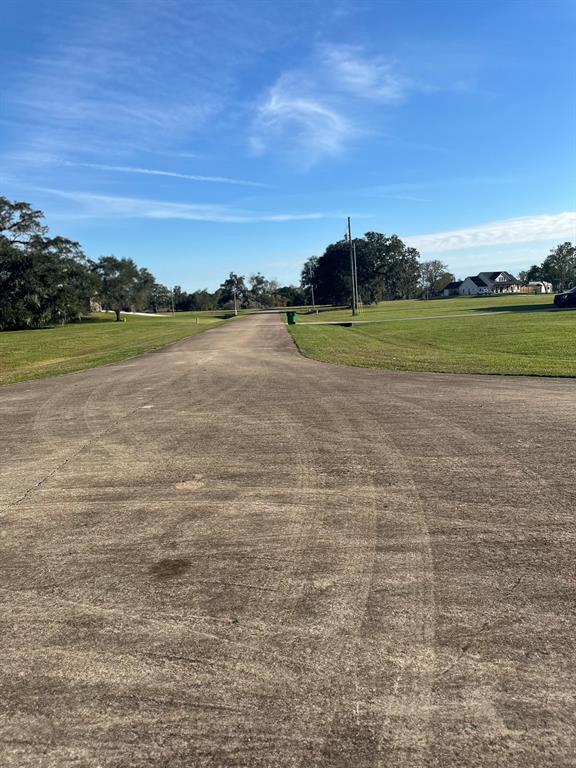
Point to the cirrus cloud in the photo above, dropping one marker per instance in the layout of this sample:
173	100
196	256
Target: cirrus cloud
523	229
307	111
94	206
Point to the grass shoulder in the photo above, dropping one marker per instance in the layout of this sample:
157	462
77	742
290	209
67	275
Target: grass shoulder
94	341
512	335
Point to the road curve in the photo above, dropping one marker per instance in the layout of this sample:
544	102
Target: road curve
223	554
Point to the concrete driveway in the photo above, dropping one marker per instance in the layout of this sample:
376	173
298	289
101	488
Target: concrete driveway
222	554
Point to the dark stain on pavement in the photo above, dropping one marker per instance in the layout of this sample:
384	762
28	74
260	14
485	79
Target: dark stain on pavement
170	567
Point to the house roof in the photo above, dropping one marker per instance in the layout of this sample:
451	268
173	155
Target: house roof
453	285
477	280
490	277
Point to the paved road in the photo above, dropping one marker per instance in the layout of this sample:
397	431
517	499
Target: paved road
222	554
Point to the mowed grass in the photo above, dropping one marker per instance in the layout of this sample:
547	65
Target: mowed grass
524	336
395	310
96	340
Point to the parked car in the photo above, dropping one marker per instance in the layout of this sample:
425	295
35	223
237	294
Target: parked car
566	299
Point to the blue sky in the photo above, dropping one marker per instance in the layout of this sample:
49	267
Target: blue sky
204	137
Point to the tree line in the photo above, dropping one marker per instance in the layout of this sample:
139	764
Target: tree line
387	269
46	280
254	292
558	268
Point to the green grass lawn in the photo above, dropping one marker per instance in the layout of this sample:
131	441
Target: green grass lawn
96	340
458	339
394	310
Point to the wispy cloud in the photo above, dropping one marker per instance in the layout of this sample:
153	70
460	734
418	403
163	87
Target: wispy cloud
109	75
89	205
171	174
299	122
506	231
463	181
373	78
308	111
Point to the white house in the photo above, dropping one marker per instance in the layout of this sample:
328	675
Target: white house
473	286
485	283
500	282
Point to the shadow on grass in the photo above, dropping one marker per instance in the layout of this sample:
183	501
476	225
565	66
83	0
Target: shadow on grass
516	308
85	320
52	326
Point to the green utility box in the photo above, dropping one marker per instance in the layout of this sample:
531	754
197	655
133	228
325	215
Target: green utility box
291	318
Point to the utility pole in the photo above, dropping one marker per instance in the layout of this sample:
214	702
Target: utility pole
234	292
312	287
354	306
357	298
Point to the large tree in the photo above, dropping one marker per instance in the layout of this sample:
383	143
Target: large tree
121	284
393	263
432	274
386	268
43	279
233	287
559	267
160	297
308	276
19	222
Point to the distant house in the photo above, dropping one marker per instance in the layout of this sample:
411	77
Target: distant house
452	289
500	282
473	286
486	283
489	283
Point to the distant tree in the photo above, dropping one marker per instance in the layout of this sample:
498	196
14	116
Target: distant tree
259	294
233	285
120	283
203	300
143	290
181	299
431	273
442	282
534	273
160	297
263	292
199	301
559	267
307	278
292	296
